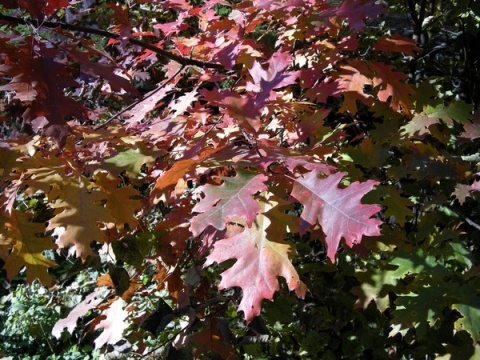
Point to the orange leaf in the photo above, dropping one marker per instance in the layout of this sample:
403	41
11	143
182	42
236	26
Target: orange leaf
178	171
397	43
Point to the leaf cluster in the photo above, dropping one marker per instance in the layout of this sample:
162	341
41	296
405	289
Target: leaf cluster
234	179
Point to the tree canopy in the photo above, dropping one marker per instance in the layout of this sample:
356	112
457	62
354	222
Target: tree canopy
240	179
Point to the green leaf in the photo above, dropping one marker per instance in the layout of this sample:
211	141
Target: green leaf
467	302
459	111
414	263
375	283
417	310
398	205
134	249
131	160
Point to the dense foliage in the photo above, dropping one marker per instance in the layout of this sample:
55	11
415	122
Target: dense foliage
239	179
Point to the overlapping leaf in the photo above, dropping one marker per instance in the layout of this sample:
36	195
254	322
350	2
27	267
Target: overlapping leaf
26	241
338	211
260	261
228	201
80	211
113	324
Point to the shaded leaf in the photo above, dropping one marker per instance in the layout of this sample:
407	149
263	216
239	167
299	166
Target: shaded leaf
80	212
356	11
467	302
27	247
397	43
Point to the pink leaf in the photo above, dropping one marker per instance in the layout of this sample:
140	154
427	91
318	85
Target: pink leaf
140	111
230	200
70	322
338	211
259	263
273	78
113	325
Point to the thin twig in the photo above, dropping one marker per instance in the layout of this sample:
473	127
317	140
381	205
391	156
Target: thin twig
139	101
179	59
466	218
467	158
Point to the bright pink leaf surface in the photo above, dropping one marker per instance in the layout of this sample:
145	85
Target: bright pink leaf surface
113	325
273	78
259	262
338	211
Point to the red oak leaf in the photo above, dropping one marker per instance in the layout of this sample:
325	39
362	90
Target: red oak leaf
230	200
178	171
392	86
113	325
35	8
273	78
338	211
175	26
396	43
242	108
472	129
181	105
139	112
42	81
462	191
53	5
260	261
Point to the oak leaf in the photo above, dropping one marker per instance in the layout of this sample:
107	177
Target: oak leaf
178	171
140	111
27	247
243	108
472	131
120	200
230	200
392	87
356	11
397	43
80	310
264	81
41	80
80	211
259	262
131	160
113	325
338	211
210	339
